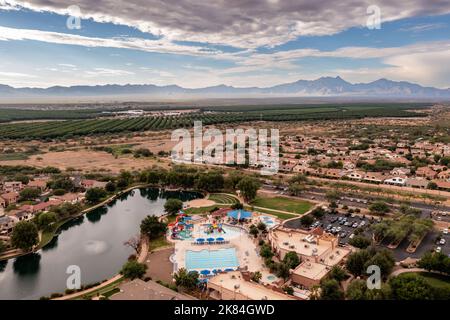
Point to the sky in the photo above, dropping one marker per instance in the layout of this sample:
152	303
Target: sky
241	43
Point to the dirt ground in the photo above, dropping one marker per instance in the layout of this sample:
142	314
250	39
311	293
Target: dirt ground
159	265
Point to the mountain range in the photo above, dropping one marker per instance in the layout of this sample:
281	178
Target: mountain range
322	87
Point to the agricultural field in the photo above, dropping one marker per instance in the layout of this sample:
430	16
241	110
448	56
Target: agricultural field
73	128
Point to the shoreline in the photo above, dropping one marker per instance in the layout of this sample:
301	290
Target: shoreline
80	214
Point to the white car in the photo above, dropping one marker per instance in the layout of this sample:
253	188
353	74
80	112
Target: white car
442	241
445	231
352	236
438	249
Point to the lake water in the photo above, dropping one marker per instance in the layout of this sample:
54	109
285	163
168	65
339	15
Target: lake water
94	242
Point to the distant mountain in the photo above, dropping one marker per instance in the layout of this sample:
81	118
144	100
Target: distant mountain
322	87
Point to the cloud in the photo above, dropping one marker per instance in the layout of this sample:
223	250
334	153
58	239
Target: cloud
107	72
243	24
161	46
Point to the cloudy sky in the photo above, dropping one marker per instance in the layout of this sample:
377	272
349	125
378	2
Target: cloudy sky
195	43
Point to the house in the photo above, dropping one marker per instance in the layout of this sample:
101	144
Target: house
444	175
3	203
69	197
334	173
21	215
375	177
421	183
38	184
10	198
40	207
397	181
355	175
426	172
87	184
399	171
6	224
12	186
442	185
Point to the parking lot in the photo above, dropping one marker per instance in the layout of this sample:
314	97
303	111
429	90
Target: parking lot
344	226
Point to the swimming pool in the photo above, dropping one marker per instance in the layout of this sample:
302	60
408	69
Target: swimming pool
268	221
211	259
229	232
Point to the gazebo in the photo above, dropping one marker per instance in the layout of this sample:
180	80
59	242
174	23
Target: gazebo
239	214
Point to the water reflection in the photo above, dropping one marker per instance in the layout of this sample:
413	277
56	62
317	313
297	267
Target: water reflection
27	265
94	243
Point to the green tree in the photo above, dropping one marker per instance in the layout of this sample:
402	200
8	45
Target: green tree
256	276
330	290
152	227
360	242
266	251
291	259
410	286
337	273
45	220
379	207
2	246
306	220
282	270
133	269
110	186
210	181
29	194
186	280
332	195
25	235
253	230
249	188
94	195
172	206
356	262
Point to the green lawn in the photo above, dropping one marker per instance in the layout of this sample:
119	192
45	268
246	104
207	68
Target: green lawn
436	280
279	215
203	210
157	243
222	198
283	204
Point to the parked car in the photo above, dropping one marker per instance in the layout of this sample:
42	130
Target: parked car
355	225
351	236
343	234
442	241
445	231
438	249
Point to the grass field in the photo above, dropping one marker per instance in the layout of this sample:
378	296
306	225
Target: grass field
283	204
436	280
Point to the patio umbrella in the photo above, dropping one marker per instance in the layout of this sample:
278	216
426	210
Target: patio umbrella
200	240
205	272
229	269
220	239
210	239
215	271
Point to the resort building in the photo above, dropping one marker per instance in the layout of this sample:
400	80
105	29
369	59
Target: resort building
235	286
318	251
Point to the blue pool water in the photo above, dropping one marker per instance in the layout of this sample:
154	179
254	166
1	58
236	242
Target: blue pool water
211	259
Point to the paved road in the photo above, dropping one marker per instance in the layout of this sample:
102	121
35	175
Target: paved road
319	194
